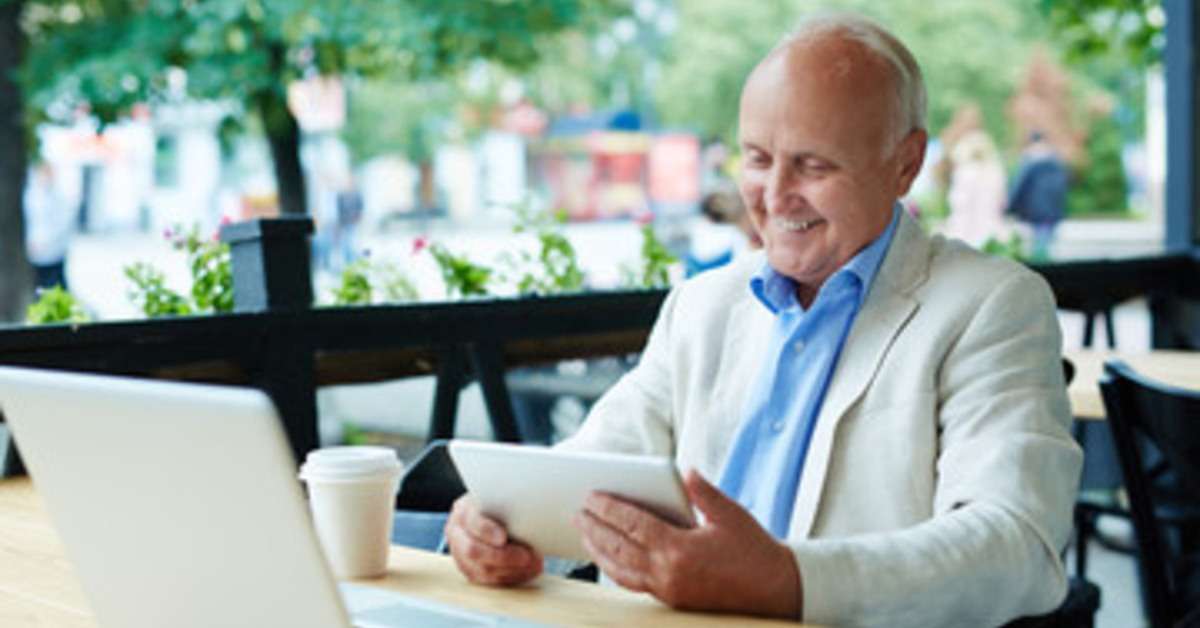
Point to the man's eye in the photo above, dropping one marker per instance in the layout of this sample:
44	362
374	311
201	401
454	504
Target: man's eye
758	159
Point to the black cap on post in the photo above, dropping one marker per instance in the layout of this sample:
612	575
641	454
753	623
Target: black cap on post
270	259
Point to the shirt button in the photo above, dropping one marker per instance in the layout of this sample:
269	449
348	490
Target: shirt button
777	426
798	346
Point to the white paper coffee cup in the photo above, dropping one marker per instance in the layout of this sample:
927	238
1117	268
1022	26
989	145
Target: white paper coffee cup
352	494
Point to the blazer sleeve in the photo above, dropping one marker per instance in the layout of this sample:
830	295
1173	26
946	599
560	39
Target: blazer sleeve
635	415
1007	473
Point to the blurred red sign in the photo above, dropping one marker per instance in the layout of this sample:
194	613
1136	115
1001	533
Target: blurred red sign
674	169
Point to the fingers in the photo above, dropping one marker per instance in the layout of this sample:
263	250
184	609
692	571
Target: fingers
473	537
627	577
519	564
612	542
640	525
717	508
480	526
618	556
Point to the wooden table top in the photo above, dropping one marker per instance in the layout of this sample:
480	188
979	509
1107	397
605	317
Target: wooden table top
1178	368
38	585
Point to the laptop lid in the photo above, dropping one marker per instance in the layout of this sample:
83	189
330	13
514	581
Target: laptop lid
178	504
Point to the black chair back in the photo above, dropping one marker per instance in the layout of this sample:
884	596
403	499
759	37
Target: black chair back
1143	411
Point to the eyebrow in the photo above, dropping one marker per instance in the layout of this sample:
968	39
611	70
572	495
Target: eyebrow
797	156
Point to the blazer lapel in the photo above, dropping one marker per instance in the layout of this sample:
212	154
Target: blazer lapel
748	332
885	311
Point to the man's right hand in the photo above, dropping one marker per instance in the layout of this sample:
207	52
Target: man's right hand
483	551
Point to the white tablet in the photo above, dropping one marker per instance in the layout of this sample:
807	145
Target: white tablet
535	491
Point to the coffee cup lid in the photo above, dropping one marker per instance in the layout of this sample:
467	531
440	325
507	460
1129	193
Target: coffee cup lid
349	463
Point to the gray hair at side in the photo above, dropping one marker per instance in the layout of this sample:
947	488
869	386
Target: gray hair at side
911	97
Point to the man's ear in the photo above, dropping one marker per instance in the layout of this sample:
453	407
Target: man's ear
911	155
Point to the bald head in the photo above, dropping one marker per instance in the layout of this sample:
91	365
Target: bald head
846	50
824	83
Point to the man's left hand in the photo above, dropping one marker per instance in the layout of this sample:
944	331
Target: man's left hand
727	563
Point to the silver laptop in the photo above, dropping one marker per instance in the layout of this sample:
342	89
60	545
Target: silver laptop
178	505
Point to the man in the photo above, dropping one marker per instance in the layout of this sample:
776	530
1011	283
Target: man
884	413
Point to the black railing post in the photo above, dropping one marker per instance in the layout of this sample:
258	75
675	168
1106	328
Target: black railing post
270	259
487	359
271	274
451	377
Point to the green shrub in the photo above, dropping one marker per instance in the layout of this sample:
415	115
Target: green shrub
212	278
462	277
555	268
655	263
55	305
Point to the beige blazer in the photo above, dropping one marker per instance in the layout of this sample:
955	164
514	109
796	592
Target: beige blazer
941	473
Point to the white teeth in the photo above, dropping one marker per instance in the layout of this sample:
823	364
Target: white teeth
797	225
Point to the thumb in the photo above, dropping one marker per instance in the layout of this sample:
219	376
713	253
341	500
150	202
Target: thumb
716	507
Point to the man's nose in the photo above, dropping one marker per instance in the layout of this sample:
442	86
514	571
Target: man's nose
779	188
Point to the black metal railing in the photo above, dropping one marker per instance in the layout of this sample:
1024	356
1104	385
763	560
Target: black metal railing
276	341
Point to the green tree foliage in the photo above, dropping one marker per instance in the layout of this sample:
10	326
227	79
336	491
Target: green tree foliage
1093	28
112	54
1099	186
1111	43
716	46
391	116
969	51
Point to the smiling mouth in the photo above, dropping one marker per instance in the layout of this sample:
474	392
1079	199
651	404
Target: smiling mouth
798	225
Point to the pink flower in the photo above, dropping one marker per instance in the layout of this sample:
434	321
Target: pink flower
225	220
168	234
643	218
419	243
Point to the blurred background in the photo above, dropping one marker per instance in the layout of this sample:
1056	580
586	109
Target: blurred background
389	121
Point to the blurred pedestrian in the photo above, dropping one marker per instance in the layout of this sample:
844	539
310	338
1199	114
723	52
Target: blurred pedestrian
349	214
977	194
724	232
49	224
1039	196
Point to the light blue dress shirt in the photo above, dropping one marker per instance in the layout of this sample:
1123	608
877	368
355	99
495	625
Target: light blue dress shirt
762	471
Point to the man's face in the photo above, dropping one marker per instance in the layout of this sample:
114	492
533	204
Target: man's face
821	166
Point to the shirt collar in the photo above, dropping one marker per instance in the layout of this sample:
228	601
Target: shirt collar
778	292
